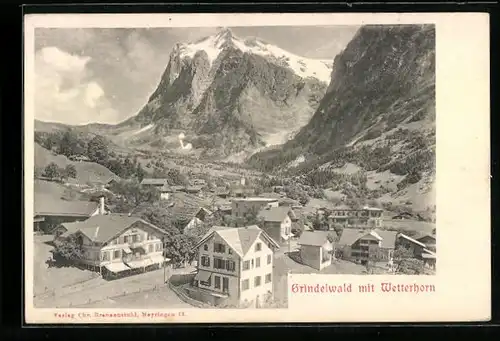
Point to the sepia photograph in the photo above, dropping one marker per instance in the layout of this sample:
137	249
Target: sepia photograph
201	167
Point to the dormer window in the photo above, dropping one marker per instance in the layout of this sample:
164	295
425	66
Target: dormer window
205	247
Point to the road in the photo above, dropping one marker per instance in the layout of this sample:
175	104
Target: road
97	290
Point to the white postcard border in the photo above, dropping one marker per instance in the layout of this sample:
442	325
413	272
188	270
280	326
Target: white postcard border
463	280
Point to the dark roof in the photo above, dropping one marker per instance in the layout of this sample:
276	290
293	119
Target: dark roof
102	228
274	214
315	238
47	205
179	206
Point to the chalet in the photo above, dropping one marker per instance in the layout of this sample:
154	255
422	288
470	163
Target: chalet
428	240
179	209
316	248
198	219
277	222
361	245
117	244
242	206
419	249
360	218
235	266
50	212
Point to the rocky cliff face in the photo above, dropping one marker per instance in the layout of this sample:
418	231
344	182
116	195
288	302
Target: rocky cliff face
378	114
229	94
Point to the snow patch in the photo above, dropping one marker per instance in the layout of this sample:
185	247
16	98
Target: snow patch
297	161
303	67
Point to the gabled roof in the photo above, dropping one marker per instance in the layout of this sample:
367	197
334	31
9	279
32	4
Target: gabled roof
47	205
150	181
103	228
388	238
274	214
315	238
240	239
412	240
425	235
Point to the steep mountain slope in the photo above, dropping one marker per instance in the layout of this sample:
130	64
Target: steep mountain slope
229	94
378	113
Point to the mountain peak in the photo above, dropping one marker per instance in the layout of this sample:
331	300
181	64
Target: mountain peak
224	34
224	38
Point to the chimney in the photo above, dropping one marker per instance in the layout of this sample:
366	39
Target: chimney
101	205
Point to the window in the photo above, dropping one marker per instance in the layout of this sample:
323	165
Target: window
105	256
158	247
230	265
135	238
230	251
116	254
205	261
257	262
219	263
245	285
258	247
205	247
257	281
252	263
220	248
150	248
269	259
217	282
246	265
125	239
268	278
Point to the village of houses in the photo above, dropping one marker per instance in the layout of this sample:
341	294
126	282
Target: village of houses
124	263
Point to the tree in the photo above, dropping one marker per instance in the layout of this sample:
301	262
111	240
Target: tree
70	171
52	171
97	150
68	144
68	249
406	263
179	248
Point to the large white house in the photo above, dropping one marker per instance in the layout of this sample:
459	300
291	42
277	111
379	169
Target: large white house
235	266
116	244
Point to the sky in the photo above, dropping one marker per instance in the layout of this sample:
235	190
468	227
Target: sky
106	75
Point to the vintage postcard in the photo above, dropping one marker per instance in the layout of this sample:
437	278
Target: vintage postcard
219	168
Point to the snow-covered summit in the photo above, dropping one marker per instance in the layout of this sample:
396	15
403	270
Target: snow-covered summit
213	45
